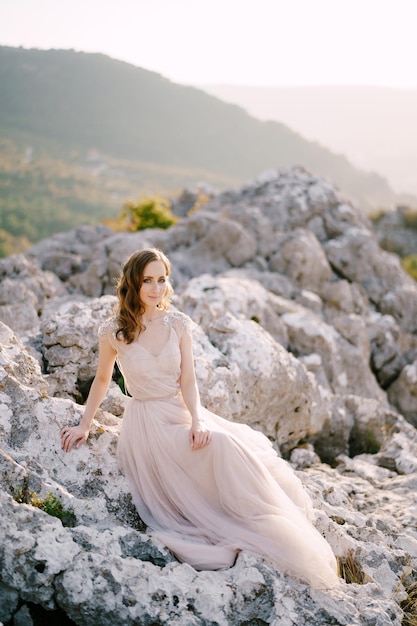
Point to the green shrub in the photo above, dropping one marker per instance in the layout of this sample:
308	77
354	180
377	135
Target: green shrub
50	504
409	263
377	215
10	244
151	212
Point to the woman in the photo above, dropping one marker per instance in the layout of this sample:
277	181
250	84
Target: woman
206	487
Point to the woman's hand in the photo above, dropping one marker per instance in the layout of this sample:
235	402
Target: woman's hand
73	436
200	436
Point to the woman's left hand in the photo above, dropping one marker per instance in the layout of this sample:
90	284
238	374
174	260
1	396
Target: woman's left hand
73	436
200	436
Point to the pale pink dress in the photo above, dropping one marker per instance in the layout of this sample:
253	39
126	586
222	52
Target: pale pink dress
207	505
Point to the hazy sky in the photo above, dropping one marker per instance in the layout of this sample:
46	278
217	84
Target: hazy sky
250	42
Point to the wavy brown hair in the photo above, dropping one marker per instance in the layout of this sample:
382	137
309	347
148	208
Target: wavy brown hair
130	308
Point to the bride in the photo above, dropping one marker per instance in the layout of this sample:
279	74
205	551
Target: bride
206	487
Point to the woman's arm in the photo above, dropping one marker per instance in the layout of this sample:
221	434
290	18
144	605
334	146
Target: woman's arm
77	435
199	435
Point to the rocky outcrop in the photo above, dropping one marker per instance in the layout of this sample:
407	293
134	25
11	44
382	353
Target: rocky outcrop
304	328
396	231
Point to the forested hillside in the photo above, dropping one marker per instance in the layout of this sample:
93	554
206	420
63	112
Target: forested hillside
41	195
82	132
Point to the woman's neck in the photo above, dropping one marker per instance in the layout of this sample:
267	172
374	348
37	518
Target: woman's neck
150	313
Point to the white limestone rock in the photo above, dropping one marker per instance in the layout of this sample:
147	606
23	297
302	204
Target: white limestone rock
207	297
403	393
356	256
24	289
268	388
70	344
300	257
350	330
345	364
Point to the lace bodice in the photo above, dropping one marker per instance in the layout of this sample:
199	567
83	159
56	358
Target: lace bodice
150	376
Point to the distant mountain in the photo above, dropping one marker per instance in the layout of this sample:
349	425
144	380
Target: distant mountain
375	127
67	103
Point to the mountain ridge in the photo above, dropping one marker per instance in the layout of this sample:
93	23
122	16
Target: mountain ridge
78	100
372	125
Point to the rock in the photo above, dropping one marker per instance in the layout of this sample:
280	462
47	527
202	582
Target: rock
372	421
301	324
208	297
24	290
342	297
268	389
71	252
191	200
388	348
403	393
355	255
9	601
281	403
304	457
301	258
95	581
395	232
18	308
23	617
17	366
70	348
401	303
346	369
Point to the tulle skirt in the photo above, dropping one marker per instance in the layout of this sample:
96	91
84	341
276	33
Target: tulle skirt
234	494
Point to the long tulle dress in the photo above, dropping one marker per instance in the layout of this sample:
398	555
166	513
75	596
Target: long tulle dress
207	505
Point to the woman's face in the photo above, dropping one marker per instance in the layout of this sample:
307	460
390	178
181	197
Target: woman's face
154	284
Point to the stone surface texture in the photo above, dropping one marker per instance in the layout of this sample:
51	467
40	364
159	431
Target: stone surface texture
304	328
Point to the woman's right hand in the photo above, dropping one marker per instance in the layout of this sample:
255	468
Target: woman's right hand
199	436
73	436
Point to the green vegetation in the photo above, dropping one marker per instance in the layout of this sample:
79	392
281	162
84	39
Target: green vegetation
43	196
40	196
409	263
81	133
9	244
364	441
66	105
376	215
152	212
50	504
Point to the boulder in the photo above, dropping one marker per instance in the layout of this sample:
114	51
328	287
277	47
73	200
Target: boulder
303	328
301	258
70	348
24	290
403	393
344	363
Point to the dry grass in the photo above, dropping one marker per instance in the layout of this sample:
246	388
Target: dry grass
409	606
350	569
408	585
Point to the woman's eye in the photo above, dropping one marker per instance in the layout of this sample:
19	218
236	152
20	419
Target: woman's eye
147	280
162	280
